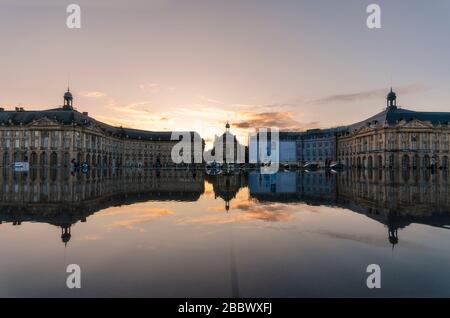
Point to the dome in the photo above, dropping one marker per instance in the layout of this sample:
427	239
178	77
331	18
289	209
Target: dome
227	126
391	95
68	95
65	237
65	234
68	99
391	100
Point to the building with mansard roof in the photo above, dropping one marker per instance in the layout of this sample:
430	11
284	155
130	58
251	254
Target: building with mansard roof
394	138
59	136
397	138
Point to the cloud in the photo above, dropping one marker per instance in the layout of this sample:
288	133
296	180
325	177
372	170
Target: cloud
150	87
94	94
114	121
91	238
138	108
224	218
246	211
141	217
282	105
272	212
281	120
210	100
372	94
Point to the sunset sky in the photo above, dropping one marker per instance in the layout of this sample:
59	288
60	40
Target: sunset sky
194	64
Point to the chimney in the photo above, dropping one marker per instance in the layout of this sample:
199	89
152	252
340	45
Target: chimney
85	113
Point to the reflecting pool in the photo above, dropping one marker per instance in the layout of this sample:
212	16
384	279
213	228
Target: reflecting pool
182	233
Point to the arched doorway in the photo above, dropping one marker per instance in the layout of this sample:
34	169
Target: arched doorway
33	159
391	162
43	159
426	161
405	162
435	162
53	159
17	157
158	160
370	162
66	159
416	162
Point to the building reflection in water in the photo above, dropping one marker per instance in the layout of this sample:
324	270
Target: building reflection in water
57	197
398	198
394	198
60	198
226	186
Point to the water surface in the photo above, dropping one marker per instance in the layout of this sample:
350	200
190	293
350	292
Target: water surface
188	234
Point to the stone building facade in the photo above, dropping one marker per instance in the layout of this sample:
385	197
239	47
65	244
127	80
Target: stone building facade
57	137
397	138
319	146
394	138
315	145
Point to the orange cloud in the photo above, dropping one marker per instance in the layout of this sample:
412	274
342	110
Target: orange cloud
91	238
281	120
94	94
139	218
249	211
268	212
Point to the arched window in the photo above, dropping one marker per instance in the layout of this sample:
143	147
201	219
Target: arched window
53	159
416	162
66	159
43	158
405	162
391	161
33	159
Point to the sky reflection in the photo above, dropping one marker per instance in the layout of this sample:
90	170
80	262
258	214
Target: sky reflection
226	235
